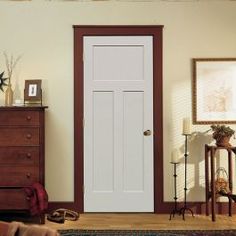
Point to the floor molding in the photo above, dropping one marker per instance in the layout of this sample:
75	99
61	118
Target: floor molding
165	208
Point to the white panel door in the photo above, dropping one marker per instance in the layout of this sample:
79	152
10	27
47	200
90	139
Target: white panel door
118	108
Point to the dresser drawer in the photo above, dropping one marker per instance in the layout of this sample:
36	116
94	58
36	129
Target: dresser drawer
19	156
18	176
19	136
13	199
19	118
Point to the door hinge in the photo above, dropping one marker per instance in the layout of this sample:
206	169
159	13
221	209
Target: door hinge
83	122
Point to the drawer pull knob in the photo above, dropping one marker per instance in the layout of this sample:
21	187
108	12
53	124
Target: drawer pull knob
28	175
27	198
28	118
28	155
28	136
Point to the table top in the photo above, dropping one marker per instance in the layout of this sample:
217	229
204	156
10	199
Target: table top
209	147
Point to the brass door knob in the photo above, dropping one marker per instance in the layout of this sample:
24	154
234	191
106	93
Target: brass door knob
147	132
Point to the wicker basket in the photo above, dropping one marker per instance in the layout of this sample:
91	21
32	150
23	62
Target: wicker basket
222	181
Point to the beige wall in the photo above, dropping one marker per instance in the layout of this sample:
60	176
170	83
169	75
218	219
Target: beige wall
42	32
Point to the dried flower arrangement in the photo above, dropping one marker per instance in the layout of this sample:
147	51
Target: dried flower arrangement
11	62
10	65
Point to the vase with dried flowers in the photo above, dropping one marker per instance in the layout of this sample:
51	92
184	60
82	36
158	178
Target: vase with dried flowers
222	135
10	65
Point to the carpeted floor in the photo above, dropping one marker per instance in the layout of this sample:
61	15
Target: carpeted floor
147	232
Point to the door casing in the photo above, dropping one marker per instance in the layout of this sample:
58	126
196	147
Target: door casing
156	33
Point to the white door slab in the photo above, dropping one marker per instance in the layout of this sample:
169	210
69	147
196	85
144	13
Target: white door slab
118	108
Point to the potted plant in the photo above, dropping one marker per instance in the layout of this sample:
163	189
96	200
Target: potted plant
222	135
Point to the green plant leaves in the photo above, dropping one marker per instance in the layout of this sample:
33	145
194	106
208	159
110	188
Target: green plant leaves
2	81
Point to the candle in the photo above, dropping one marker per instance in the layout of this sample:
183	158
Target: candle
175	156
186	126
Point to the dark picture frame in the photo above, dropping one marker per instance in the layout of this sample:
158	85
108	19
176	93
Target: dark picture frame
33	92
214	85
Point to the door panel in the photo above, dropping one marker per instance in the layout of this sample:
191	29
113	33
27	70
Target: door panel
118	108
133	141
120	68
103	148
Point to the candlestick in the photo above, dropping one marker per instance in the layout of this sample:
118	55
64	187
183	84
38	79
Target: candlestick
186	126
175	210
185	208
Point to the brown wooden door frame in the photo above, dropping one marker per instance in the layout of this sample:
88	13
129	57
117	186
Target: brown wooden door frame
79	33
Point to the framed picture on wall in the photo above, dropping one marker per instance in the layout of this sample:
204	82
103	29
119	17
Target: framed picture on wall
33	92
214	90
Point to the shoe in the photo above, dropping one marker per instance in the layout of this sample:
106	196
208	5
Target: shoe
68	214
56	217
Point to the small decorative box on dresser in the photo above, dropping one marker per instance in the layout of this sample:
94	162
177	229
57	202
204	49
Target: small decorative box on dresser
21	155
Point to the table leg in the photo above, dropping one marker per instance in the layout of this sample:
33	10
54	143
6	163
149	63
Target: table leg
230	179
207	179
213	195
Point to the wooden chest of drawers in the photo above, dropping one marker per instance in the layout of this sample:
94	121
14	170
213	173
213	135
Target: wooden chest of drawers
21	154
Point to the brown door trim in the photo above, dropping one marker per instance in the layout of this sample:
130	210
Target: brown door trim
79	33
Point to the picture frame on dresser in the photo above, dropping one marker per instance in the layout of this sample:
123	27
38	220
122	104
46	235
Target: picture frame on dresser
33	92
214	83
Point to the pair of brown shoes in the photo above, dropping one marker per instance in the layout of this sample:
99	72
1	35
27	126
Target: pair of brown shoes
62	214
